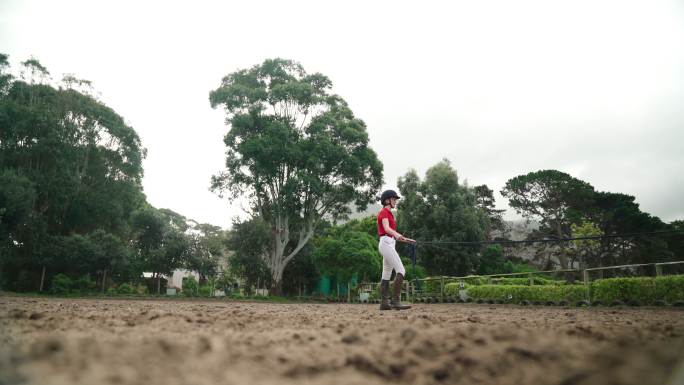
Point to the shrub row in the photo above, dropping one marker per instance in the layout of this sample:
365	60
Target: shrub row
433	286
453	289
641	290
64	285
644	290
519	293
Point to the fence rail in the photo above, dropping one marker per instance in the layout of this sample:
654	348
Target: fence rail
420	286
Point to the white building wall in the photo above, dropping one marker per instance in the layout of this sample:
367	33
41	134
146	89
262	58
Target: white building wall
178	275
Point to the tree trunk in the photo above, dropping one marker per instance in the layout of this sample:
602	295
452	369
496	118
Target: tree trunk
42	279
277	260
276	288
104	279
562	255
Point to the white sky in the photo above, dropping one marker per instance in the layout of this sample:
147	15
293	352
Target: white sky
500	88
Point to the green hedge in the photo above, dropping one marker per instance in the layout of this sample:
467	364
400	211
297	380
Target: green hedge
64	285
519	293
452	286
61	284
645	290
125	288
433	286
452	289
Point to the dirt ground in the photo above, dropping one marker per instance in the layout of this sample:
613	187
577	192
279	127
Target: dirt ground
88	341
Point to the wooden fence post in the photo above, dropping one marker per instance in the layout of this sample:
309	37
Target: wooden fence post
585	277
441	289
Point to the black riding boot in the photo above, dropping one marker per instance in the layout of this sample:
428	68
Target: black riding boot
384	295
396	297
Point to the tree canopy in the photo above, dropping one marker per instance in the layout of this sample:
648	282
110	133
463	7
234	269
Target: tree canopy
439	208
71	198
295	150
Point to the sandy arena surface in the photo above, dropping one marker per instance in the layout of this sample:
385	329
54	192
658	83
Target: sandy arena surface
89	341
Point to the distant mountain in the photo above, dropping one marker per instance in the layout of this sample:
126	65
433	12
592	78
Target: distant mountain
518	230
372	209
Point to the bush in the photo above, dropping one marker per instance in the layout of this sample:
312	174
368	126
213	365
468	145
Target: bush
84	284
190	287
205	291
453	288
141	289
61	284
645	290
519	293
431	286
125	288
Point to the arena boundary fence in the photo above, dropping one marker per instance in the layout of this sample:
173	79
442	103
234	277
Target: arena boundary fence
432	288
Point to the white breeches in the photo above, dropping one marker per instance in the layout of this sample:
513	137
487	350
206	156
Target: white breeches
390	258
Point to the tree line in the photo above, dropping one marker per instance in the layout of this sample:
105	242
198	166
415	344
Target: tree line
71	199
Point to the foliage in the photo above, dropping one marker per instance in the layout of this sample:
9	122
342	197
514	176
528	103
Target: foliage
207	246
585	249
84	284
161	240
492	261
616	213
518	293
295	150
70	167
433	286
486	202
61	284
301	273
554	197
368	225
248	241
452	289
205	291
646	290
439	208
420	270
125	289
190	287
225	282
345	253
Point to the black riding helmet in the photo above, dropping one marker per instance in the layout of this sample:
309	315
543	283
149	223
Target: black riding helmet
387	194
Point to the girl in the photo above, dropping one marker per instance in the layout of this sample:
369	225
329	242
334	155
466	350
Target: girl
387	231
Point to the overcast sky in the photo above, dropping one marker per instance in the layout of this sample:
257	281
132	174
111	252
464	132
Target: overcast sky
500	88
